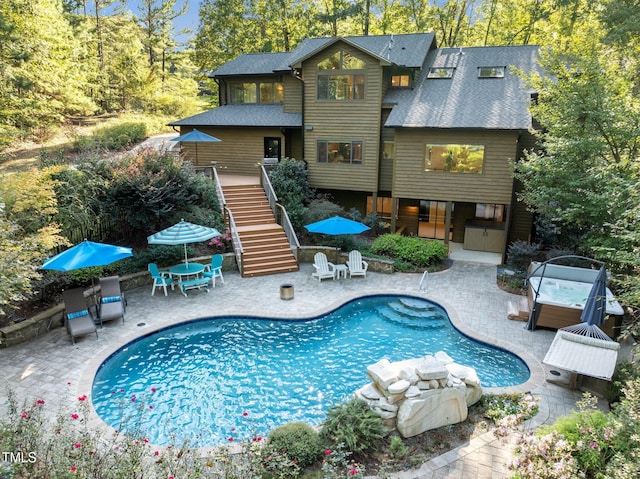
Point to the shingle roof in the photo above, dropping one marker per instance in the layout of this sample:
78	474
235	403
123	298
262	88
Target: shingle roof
243	115
466	101
255	64
407	50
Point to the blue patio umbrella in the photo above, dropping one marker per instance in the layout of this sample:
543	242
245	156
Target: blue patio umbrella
594	311
87	255
195	137
183	233
337	225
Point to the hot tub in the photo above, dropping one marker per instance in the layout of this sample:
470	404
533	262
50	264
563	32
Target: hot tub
557	295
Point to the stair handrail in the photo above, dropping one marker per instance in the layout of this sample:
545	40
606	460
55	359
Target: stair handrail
219	193
235	239
285	222
268	189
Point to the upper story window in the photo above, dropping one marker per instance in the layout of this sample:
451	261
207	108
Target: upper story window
454	158
341	77
491	72
440	72
400	81
256	92
342	61
340	151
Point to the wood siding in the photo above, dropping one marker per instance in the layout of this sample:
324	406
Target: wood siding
343	121
292	94
521	225
237	153
385	180
494	185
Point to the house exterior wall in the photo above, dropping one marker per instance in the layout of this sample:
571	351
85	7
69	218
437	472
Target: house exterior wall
237	153
292	94
493	185
336	120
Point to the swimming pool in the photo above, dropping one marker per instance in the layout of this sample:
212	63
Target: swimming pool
213	379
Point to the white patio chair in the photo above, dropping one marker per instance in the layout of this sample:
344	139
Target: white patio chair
324	269
357	266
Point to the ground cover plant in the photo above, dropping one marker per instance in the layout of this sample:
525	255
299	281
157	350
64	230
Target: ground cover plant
65	446
41	445
589	443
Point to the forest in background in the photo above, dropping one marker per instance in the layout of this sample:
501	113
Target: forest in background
61	59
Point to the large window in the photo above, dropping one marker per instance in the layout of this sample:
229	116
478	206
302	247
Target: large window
432	216
340	151
454	158
252	92
338	78
384	206
490	211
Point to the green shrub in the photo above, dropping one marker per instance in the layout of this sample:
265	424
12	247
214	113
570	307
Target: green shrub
114	137
520	254
354	425
298	440
624	372
410	249
386	244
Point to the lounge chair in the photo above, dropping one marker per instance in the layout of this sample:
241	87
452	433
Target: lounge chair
78	318
112	301
214	270
357	266
160	279
324	269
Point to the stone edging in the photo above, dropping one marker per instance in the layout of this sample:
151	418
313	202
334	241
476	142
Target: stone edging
54	317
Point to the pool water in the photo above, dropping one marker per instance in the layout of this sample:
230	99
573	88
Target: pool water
217	379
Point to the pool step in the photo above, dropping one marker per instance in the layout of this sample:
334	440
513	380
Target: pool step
393	316
401	308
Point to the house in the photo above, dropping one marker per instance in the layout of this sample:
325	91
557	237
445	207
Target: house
424	136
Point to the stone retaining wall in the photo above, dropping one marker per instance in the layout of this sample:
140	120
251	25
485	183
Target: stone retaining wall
54	317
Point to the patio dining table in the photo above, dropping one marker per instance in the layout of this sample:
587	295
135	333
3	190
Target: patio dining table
184	271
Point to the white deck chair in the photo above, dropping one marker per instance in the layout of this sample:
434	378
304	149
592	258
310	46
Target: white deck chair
357	266
324	269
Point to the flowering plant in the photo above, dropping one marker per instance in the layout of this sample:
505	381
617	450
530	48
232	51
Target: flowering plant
222	243
336	465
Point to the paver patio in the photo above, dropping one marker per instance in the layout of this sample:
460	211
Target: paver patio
42	368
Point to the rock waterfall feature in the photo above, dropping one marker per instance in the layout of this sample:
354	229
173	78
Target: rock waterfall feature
416	395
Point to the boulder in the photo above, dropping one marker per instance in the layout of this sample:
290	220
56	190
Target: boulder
473	394
431	368
412	392
416	416
385	406
399	386
370	392
382	373
443	357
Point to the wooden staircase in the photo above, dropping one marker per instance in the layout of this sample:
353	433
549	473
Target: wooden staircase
266	249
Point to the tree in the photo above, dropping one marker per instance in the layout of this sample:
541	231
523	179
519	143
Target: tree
27	231
226	30
156	19
39	82
585	177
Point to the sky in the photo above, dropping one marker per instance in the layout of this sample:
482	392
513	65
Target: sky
188	20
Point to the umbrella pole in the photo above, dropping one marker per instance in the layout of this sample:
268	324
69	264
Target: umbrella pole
186	259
